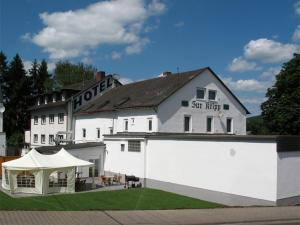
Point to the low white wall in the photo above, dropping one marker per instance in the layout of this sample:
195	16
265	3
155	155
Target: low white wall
130	163
240	168
288	184
91	153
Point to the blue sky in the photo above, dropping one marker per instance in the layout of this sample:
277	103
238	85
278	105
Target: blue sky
244	42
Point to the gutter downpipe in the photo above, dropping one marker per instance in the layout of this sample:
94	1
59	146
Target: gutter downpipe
145	161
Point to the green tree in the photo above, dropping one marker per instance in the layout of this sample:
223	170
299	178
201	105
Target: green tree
17	89
34	76
281	112
43	77
3	67
67	73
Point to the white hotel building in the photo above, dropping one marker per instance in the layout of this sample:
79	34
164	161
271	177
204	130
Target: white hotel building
183	132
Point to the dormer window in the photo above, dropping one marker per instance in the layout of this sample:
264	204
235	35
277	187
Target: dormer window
200	93
212	95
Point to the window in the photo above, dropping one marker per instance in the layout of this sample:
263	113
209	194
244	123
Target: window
35	138
200	93
185	103
122	147
58	179
187	123
26	179
6	177
150	124
98	132
111	131
35	120
226	107
229	125
51	139
61	118
209	122
51	118
212	95
134	146
43	138
126	125
132	121
43	120
60	136
84	133
96	162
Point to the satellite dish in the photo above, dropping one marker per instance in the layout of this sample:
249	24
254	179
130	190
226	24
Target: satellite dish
2	108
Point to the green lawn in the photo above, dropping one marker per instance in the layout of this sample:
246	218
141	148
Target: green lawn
127	199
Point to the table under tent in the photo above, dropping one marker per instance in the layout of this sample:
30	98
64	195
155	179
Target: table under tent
42	174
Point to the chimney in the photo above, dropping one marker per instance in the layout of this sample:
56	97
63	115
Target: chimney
100	75
166	73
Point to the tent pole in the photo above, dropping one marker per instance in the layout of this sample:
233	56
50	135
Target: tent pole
93	174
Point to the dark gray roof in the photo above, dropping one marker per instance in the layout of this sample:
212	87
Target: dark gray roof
285	143
147	93
48	105
56	148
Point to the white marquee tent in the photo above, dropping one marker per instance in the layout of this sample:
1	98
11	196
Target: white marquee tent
42	174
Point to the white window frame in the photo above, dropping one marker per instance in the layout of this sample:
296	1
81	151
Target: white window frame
51	116
200	88
132	148
43	122
83	133
98	134
231	125
125	125
215	95
43	138
35	138
51	139
148	123
61	118
35	120
122	147
211	125
190	124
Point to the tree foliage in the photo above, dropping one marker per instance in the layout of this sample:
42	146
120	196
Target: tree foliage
67	73
17	92
281	112
256	126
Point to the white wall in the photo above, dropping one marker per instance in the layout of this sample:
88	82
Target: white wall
241	168
104	121
137	120
171	113
91	153
288	174
47	129
130	163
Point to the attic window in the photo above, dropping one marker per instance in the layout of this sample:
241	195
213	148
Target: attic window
122	101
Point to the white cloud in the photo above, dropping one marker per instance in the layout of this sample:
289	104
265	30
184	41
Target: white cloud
150	28
296	35
26	37
116	55
68	34
271	72
297	8
246	85
137	46
179	24
241	65
269	51
27	65
252	100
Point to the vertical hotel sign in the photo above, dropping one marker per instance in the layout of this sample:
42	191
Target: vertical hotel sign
86	96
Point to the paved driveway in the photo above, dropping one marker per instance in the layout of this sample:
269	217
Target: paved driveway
161	217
